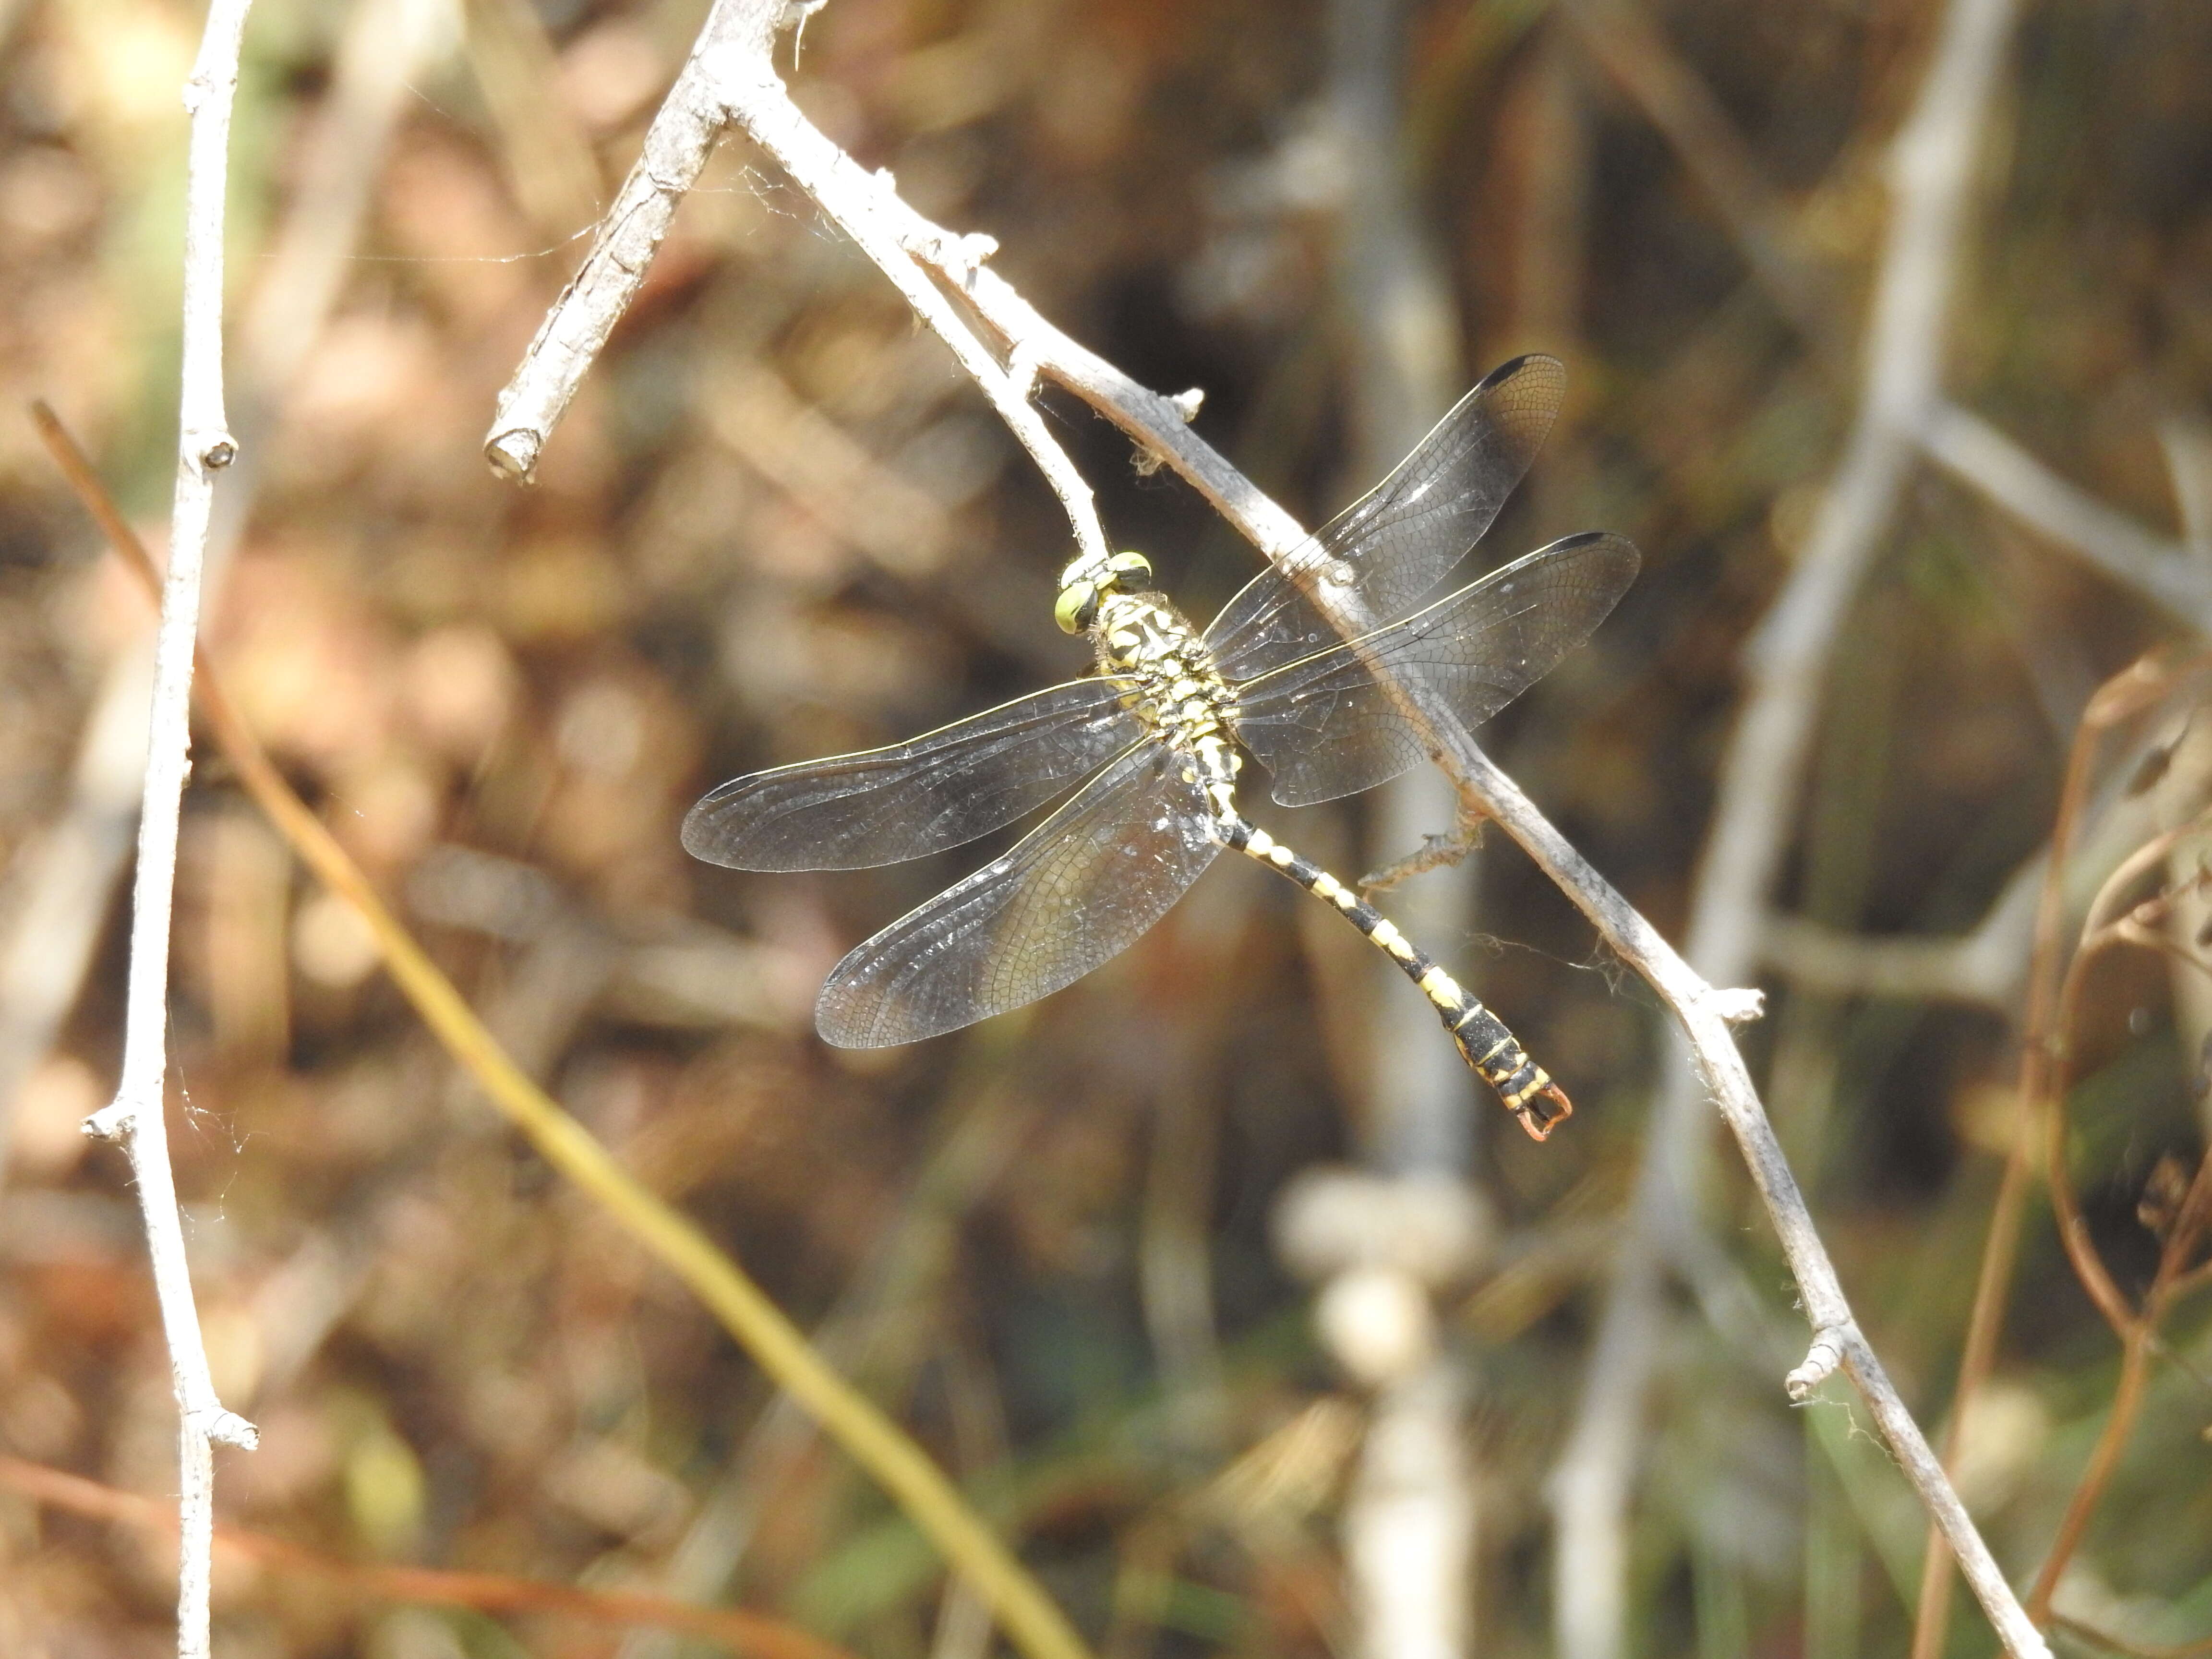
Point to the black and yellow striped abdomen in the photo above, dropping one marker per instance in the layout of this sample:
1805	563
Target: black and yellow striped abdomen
1494	1052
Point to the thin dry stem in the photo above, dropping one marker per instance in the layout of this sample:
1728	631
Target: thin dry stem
874	1441
2100	933
1434	853
1932	171
1636	55
134	1119
1157	424
2139	1339
2163	571
2119	698
68	881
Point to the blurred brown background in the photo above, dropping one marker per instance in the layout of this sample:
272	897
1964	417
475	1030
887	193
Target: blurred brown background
777	523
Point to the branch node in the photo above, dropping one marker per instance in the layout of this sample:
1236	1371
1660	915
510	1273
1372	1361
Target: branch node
954	257
111	1123
226	1428
1820	1362
1187	404
1738	1005
211	451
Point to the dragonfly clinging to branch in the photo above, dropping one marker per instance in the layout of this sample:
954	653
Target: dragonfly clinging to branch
1156	730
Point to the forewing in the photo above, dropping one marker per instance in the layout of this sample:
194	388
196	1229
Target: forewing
1079	888
1399	539
939	790
1326	726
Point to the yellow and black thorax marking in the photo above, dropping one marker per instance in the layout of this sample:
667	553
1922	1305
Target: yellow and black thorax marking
1184	702
1179	693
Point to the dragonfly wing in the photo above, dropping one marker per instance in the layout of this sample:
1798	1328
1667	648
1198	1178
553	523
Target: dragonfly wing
1079	888
1326	727
1397	542
939	790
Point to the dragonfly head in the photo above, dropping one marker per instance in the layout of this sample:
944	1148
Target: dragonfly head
1087	582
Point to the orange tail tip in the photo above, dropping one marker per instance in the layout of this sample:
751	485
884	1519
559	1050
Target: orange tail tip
1544	1111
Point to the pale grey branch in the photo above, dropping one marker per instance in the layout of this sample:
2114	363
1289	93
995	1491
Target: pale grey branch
1932	159
68	880
736	34
135	1117
1932	171
2162	571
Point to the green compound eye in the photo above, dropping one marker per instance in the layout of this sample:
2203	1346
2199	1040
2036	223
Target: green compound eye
1132	572
1077	607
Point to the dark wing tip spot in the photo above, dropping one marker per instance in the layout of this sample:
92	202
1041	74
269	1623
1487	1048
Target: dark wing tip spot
1542	362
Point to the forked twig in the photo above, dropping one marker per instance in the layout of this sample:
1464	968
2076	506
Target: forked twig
745	87
874	1441
1433	854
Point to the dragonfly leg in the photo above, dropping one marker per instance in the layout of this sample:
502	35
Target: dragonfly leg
1524	1087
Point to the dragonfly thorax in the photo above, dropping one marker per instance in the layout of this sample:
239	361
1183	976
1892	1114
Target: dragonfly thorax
1178	692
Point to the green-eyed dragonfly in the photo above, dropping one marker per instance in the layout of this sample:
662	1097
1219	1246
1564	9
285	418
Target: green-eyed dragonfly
1156	731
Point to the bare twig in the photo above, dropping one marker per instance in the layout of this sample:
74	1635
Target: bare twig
677	146
729	76
1636	55
2162	571
877	1445
867	207
1931	170
134	1119
71	877
1827	1352
1981	968
1932	157
1437	850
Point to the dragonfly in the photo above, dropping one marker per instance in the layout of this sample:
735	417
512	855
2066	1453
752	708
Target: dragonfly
1157	730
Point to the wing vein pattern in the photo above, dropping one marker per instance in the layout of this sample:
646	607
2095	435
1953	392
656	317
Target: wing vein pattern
1403	537
936	791
1079	888
1326	727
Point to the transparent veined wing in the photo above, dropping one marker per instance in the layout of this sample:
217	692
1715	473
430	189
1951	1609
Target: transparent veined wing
1400	540
1325	727
1079	888
939	790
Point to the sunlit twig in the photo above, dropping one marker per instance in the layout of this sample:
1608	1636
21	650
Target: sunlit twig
872	1440
730	70
134	1120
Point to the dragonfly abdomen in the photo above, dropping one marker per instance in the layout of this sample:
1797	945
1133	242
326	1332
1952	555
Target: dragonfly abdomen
1483	1041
